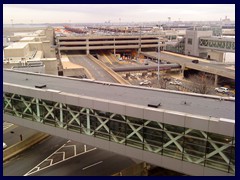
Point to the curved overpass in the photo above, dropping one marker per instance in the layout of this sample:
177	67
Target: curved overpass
220	69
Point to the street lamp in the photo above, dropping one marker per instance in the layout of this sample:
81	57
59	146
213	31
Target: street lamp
159	55
139	48
159	60
20	135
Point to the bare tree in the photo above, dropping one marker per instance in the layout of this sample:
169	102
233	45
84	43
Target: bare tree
163	81
202	83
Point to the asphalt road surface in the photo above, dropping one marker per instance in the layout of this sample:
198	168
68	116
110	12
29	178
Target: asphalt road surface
13	138
203	65
57	156
94	163
97	72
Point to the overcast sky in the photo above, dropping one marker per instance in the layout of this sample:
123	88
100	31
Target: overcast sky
99	13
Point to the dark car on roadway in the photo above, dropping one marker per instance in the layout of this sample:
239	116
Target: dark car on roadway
195	61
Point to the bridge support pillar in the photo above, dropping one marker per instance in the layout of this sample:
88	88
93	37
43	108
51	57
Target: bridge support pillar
216	80
114	48
182	70
87	52
59	53
87	47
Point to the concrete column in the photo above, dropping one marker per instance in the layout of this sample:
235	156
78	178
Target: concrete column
216	80
87	52
182	70
59	53
114	50
87	46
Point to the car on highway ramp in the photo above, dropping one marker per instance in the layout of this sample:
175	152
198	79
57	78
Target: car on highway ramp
222	90
175	82
146	82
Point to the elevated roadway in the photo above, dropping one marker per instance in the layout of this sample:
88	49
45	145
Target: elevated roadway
162	67
108	59
97	72
117	118
221	69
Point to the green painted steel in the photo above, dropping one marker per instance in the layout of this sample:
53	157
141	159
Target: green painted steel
217	44
199	147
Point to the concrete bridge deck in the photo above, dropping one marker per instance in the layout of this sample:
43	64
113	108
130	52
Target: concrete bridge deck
220	69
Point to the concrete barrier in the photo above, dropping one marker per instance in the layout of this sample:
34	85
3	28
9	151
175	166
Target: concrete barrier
109	70
23	145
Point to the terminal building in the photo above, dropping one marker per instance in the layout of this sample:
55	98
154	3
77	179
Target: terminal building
27	48
200	42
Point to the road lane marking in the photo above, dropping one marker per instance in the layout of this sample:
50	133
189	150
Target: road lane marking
92	165
27	174
6	125
38	167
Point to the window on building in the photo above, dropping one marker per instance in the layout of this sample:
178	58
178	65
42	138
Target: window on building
189	40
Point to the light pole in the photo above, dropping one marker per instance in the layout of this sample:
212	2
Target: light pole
158	61
159	55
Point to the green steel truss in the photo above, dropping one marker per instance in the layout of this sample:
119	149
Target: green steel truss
217	44
203	148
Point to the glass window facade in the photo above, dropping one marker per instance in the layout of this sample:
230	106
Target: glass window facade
189	41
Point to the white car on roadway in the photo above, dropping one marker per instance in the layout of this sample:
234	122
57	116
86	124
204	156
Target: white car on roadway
146	82
4	145
176	82
222	90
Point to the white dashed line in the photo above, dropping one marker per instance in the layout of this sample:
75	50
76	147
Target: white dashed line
92	165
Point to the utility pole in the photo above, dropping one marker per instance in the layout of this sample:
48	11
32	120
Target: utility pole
159	55
139	49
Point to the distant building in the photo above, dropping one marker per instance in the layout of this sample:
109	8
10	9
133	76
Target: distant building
192	41
31	46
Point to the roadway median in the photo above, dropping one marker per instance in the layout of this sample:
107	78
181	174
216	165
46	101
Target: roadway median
23	145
